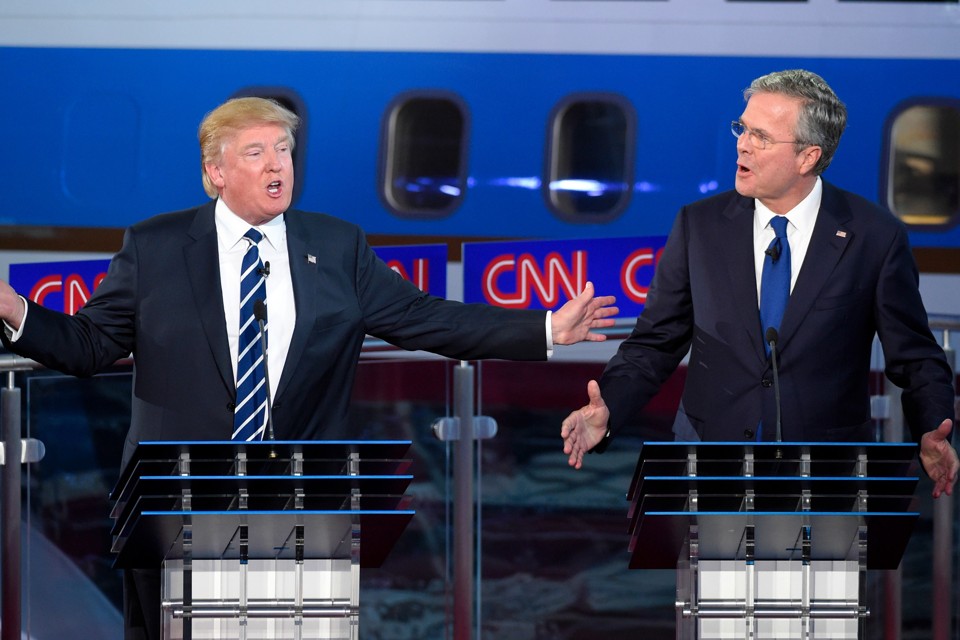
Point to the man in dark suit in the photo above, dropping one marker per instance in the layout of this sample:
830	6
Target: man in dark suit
850	273
172	298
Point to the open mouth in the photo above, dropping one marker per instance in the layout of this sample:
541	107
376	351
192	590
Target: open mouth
274	187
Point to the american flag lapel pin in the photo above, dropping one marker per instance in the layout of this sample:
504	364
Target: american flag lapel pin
311	259
841	233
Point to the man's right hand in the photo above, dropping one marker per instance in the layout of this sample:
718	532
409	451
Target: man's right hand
939	458
11	306
586	427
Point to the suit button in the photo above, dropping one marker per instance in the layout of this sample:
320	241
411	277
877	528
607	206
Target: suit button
231	406
748	434
767	383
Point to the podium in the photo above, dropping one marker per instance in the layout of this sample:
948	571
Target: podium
771	540
260	540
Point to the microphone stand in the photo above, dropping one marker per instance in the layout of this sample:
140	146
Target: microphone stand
772	341
260	313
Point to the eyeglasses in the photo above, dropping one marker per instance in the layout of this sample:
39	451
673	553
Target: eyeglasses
757	139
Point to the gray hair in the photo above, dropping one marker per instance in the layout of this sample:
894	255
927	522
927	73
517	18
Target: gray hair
822	116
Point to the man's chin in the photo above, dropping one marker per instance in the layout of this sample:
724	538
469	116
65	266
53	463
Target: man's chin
276	210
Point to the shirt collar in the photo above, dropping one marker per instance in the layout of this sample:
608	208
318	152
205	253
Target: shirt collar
803	216
231	228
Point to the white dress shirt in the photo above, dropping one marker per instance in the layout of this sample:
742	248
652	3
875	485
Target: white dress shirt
800	222
281	310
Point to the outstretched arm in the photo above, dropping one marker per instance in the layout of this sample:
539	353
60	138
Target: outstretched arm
939	458
574	320
586	427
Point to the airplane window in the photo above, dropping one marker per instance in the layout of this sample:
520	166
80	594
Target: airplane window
922	185
423	154
589	160
291	100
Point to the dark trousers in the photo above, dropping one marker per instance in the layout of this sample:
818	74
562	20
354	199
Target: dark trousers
141	604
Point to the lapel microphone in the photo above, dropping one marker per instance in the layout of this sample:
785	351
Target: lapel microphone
773	251
264	271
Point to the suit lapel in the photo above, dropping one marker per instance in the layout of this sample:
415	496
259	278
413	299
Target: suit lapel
203	271
829	240
303	256
736	237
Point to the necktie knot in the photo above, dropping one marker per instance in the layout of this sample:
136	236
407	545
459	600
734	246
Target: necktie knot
253	236
779	224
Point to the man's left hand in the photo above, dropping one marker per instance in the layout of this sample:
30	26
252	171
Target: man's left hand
939	458
573	322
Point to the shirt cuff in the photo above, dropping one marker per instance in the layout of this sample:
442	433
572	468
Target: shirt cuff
549	325
14	334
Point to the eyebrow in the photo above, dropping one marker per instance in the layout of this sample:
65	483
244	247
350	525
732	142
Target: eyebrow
762	132
258	145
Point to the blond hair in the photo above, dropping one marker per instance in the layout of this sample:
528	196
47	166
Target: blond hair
221	124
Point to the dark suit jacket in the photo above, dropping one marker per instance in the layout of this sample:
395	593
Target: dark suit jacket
161	301
858	279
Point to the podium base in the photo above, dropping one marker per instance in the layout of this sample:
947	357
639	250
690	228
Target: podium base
783	599
260	600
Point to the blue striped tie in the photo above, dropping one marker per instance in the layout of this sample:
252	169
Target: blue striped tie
775	280
250	417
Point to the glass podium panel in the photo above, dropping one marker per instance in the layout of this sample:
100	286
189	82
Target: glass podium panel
69	579
554	538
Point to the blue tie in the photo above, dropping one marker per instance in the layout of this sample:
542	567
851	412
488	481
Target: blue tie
250	416
775	281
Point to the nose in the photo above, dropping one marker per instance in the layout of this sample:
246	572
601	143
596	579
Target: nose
274	161
743	143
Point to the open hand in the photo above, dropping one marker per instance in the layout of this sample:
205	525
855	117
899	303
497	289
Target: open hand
939	458
573	322
586	427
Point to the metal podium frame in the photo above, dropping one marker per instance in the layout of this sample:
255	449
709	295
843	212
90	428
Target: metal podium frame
771	539
263	539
